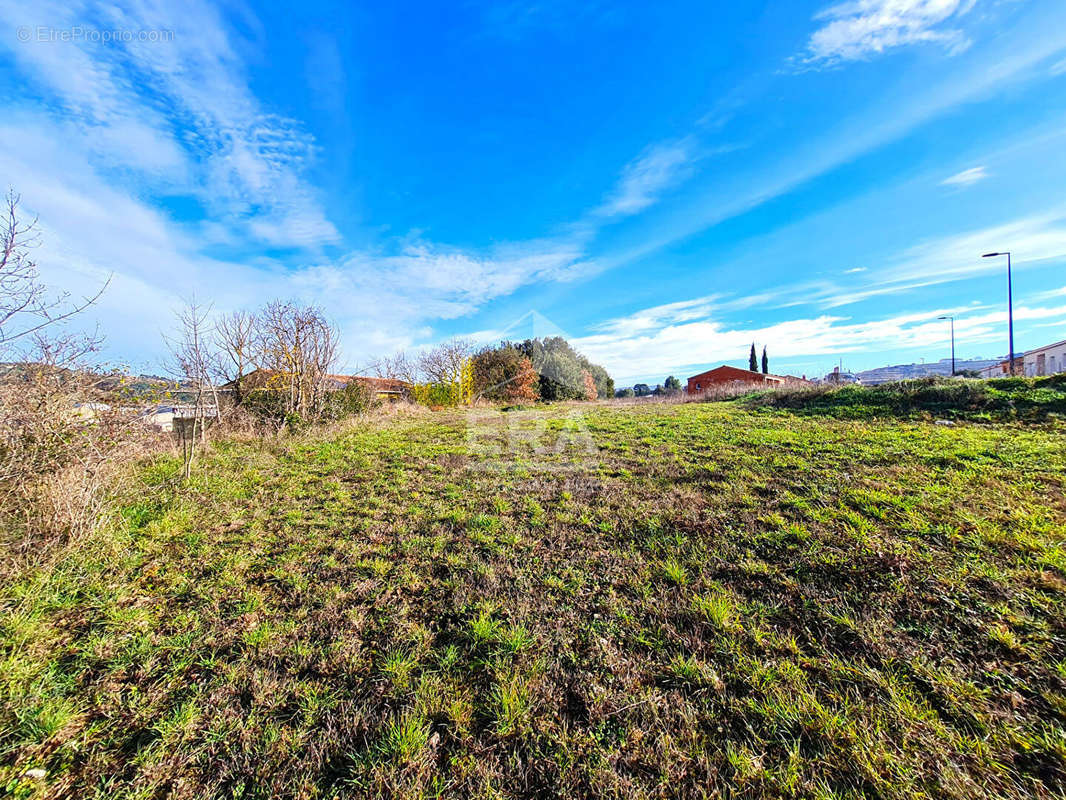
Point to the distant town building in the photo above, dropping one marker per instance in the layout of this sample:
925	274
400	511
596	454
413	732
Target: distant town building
1001	369
1047	360
161	418
725	375
839	377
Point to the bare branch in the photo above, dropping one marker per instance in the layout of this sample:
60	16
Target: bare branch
23	298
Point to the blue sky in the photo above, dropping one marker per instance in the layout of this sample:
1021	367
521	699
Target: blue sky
666	183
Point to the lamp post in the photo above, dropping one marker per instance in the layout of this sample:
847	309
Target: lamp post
1010	309
952	344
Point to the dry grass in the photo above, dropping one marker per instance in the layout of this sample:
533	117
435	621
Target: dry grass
58	469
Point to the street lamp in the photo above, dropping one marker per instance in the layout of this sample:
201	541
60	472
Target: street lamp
952	344
1010	308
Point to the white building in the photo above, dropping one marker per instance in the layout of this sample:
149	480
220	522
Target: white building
87	412
162	417
1047	360
839	377
1002	369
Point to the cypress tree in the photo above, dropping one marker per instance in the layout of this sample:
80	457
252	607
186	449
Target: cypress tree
753	360
765	362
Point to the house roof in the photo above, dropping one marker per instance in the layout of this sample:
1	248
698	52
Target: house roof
1041	349
391	385
733	370
264	378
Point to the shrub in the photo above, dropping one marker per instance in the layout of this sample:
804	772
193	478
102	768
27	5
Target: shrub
59	461
267	405
354	399
504	374
590	385
446	393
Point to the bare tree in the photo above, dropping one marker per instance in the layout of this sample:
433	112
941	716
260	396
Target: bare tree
238	344
194	360
399	367
445	362
26	308
61	445
298	347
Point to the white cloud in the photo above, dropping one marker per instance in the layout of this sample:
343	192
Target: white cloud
630	350
380	297
1034	241
859	29
1059	68
1051	294
854	270
683	336
660	316
172	116
659	168
967	177
121	125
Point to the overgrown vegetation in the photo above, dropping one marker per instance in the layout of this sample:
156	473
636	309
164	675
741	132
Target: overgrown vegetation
639	601
453	374
1031	399
54	469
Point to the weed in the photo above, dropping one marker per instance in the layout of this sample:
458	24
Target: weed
405	737
510	698
716	609
674	572
398	666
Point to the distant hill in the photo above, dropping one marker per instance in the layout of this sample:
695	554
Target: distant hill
900	372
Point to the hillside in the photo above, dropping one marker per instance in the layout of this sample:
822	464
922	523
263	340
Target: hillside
942	368
664	600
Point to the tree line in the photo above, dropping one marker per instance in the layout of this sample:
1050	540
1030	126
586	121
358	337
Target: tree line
671	386
541	369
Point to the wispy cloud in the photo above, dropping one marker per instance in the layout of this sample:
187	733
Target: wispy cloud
175	115
643	180
658	317
859	29
382	296
1051	294
1035	241
121	125
967	177
773	177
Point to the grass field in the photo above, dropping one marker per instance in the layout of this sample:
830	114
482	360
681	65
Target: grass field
638	601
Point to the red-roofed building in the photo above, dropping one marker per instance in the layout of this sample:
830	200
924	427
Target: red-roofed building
726	375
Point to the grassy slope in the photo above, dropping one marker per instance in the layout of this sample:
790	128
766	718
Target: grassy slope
717	601
1001	399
